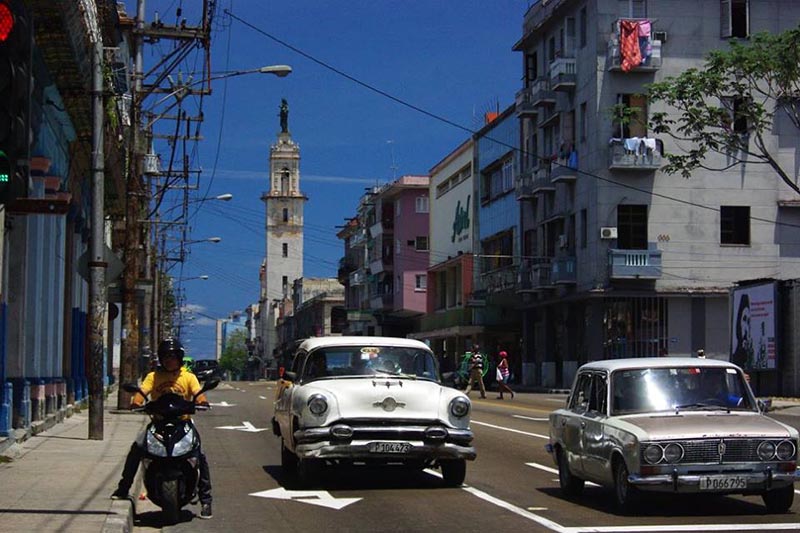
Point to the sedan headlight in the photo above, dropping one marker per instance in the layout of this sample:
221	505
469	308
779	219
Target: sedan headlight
653	454
673	452
317	404
766	450
459	407
785	450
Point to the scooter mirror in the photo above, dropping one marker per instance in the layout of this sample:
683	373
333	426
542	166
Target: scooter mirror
131	387
210	384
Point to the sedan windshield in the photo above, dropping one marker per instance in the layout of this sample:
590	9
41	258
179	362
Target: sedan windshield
681	388
339	361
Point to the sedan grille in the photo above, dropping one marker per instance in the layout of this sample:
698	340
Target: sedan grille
715	451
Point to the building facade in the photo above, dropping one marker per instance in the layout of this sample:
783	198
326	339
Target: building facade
624	259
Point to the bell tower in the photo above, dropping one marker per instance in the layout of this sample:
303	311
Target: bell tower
284	228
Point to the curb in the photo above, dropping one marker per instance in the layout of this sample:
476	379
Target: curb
122	512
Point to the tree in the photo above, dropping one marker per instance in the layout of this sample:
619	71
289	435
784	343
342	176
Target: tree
729	105
234	357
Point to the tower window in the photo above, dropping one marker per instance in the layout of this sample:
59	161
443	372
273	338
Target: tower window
285	214
285	250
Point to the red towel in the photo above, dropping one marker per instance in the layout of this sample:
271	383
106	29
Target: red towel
629	52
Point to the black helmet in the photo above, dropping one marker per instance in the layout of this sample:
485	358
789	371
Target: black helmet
170	348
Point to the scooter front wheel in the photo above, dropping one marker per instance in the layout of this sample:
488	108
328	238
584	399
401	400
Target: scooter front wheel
170	505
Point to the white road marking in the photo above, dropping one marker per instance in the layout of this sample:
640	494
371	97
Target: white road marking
321	498
263	397
246	426
531	418
558	400
222	404
552	470
511	430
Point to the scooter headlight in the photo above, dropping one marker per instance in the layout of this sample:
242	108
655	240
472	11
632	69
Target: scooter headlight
154	445
185	445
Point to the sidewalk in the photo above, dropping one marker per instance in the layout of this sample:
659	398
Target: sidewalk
59	480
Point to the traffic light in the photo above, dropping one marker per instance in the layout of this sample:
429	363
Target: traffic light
16	47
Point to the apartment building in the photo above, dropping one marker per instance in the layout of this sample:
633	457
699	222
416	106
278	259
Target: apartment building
622	259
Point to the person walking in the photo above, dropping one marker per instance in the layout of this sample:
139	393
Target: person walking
503	373
476	363
171	376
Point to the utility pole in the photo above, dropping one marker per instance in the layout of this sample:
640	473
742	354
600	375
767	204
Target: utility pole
97	264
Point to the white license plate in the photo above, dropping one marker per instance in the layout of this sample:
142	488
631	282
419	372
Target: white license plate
389	447
723	482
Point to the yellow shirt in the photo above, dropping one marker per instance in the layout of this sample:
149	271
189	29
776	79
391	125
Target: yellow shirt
181	382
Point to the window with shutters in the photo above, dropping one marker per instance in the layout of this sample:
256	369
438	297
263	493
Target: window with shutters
635	9
734	19
422	204
421	243
531	66
420	282
285	247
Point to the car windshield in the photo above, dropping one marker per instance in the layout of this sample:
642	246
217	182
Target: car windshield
341	361
678	389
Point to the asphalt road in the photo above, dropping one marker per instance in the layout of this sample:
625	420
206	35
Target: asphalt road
512	486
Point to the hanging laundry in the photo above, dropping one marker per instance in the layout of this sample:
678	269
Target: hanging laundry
645	48
629	52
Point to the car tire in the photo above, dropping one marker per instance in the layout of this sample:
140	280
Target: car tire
625	495
308	472
453	472
288	460
779	500
571	486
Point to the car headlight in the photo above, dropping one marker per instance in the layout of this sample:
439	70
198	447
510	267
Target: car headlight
317	404
766	450
459	407
785	450
653	454
673	452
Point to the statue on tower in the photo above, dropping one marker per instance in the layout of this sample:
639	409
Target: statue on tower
284	116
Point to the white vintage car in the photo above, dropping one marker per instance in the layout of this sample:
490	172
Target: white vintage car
372	400
671	425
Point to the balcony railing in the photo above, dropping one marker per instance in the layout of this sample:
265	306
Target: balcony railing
524	103
650	63
564	169
635	154
563	270
357	277
635	264
376	266
563	74
501	279
449	318
382	301
534	275
523	182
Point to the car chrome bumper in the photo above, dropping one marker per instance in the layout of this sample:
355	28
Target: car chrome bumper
676	482
359	451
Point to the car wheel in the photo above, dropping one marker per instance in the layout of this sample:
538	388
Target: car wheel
453	472
779	500
571	485
626	496
288	460
308	471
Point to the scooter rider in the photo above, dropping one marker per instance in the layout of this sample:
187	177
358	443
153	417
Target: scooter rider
171	376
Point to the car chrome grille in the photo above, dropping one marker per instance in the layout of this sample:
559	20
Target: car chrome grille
717	451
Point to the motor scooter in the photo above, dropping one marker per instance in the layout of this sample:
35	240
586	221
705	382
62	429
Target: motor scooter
170	458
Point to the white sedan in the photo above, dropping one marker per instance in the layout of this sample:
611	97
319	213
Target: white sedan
370	400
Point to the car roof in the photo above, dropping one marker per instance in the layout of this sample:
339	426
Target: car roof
352	340
611	365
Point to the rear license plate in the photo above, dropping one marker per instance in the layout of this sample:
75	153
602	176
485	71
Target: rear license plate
389	447
723	482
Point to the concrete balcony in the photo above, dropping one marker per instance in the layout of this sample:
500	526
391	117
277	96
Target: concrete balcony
563	74
377	266
635	154
447	318
549	118
357	277
614	60
378	229
564	272
523	182
534	275
500	280
523	103
562	171
382	302
635	264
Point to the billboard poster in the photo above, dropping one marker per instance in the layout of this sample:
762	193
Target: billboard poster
753	345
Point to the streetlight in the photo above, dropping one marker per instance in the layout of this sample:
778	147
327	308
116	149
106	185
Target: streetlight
209	239
203	277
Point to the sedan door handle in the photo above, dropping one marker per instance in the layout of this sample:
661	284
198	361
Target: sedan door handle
563	421
583	424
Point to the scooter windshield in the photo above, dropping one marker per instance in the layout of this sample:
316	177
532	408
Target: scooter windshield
170	405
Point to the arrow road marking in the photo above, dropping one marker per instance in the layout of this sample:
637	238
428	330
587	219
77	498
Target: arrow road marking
222	404
246	426
321	498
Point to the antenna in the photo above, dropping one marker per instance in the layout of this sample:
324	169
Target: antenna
393	167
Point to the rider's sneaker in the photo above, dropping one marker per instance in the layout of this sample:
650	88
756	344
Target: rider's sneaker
205	511
120	494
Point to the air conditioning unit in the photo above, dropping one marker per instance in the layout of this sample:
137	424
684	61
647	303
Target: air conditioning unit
562	241
608	233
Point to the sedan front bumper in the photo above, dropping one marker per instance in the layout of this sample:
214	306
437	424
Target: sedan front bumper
757	482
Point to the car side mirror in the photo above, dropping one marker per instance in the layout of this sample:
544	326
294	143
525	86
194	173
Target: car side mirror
764	404
289	376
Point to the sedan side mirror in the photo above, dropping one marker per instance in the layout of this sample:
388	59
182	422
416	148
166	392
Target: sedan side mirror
290	376
764	404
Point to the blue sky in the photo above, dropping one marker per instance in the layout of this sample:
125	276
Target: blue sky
450	58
